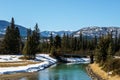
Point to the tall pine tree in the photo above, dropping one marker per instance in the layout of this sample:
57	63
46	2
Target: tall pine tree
32	44
12	39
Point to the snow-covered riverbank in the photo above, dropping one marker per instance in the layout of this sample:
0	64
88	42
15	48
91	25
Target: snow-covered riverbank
76	60
45	58
44	61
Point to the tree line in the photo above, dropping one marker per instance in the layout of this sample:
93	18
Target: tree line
100	47
69	44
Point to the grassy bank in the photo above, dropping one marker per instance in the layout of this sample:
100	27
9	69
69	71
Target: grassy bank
97	70
18	76
15	64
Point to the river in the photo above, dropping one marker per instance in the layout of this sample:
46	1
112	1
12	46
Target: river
62	72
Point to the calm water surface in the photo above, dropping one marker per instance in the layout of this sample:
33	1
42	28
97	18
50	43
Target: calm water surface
62	72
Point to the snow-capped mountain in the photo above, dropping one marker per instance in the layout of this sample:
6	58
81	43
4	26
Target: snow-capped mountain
87	31
23	30
97	31
5	24
54	33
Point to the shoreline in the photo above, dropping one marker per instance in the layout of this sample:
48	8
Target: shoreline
46	62
92	75
12	73
20	76
96	73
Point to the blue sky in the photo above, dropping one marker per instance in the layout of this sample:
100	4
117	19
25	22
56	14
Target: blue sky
61	14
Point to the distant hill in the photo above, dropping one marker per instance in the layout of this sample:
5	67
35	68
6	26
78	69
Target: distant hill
23	31
87	31
4	24
54	33
96	31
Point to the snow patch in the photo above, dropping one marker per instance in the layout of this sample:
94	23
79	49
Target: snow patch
47	61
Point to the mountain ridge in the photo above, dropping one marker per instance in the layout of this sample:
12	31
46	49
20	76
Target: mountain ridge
91	31
4	24
97	31
23	30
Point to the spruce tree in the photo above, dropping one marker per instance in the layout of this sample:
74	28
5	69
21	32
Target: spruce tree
18	39
32	44
12	39
101	51
26	49
29	32
108	66
36	37
57	42
80	40
67	41
51	40
110	50
63	43
91	58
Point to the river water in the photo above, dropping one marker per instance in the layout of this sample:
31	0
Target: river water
62	72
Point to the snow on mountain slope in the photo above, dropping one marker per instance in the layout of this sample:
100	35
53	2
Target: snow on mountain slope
54	33
97	31
87	31
5	24
23	30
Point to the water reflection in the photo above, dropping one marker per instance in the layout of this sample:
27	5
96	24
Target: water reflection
63	72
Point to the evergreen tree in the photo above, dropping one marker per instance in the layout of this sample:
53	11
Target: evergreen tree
26	48
32	44
119	43
65	42
95	41
80	41
18	40
110	50
12	24
116	47
57	42
29	32
53	51
108	66
86	43
81	36
51	40
91	58
36	37
101	51
12	39
74	44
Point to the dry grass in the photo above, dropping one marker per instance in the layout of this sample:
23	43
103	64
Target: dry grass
15	64
96	69
17	76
